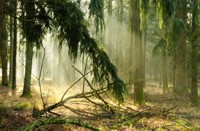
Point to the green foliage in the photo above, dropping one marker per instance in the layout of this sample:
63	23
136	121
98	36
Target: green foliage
144	4
34	22
178	26
96	8
161	44
71	28
165	10
26	95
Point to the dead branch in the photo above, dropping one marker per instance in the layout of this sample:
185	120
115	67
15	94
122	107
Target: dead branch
79	112
61	103
39	123
94	103
96	94
74	84
40	74
84	72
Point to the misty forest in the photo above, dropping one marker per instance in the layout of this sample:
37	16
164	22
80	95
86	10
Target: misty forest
99	65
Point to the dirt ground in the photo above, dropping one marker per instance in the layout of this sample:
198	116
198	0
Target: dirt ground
16	113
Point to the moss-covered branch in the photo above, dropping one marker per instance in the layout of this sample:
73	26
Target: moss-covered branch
39	123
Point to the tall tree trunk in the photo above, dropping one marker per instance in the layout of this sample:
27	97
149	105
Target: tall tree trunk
138	52
14	48
164	68
119	37
131	47
144	38
29	27
194	55
110	26
28	69
181	50
3	44
11	50
160	72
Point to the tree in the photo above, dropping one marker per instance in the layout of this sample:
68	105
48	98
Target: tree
13	44
110	27
29	29
165	12
3	44
120	11
194	39
164	66
181	48
138	57
131	60
162	46
11	47
14	47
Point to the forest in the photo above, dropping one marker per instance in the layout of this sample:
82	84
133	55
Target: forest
102	65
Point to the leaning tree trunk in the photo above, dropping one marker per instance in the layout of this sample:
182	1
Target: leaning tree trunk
181	50
3	45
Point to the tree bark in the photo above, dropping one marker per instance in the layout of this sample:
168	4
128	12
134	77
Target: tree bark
194	56
3	44
119	47
14	48
138	68
164	67
131	47
11	50
29	27
28	69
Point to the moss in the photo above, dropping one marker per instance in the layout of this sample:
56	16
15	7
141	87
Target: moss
26	95
194	102
139	94
5	84
22	106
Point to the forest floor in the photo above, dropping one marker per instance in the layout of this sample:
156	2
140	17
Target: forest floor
161	112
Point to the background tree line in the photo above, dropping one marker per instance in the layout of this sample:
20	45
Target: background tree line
159	43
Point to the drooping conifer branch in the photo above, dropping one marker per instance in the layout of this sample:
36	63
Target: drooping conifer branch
71	28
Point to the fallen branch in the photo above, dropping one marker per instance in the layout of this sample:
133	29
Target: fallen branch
73	85
96	94
39	123
61	103
81	113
